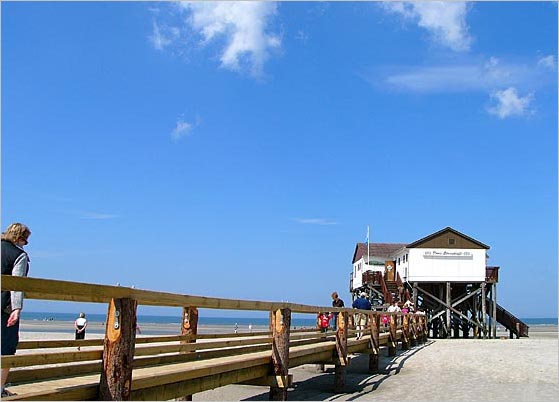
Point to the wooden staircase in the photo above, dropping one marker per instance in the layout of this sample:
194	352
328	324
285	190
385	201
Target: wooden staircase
510	322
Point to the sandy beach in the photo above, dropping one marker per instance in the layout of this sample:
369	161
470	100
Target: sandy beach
523	369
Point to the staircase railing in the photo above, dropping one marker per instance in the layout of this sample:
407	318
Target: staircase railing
403	294
510	322
387	295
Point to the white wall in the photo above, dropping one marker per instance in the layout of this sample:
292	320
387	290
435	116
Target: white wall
446	265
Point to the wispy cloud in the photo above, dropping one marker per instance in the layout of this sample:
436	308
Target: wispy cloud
315	221
501	81
96	215
508	103
241	28
548	62
445	21
484	75
162	36
182	129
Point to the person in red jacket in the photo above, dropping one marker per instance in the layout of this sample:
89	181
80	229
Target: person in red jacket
324	321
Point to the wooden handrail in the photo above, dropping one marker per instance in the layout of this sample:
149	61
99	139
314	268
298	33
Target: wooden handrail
50	289
400	283
193	362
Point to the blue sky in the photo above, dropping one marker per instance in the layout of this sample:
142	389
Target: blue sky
240	150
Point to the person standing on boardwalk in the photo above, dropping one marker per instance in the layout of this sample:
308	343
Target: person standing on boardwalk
324	321
15	261
394	308
336	302
80	325
361	303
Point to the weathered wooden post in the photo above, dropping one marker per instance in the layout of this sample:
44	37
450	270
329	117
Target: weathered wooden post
405	332
424	332
413	336
374	326
118	353
281	325
484	309
392	336
448	303
341	352
189	327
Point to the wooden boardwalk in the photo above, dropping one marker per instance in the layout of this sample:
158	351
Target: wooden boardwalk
123	367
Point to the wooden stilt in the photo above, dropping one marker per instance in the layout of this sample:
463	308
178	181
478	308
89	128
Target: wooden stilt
118	354
484	309
281	325
448	303
494	309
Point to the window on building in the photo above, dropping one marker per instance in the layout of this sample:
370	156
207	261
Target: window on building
451	241
398	260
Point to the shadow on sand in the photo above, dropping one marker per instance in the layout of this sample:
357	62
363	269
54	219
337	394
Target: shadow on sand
359	381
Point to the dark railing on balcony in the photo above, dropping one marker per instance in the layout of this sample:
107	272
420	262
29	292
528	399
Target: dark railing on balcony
492	274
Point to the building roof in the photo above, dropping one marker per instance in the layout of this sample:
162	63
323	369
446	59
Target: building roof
387	250
443	231
384	250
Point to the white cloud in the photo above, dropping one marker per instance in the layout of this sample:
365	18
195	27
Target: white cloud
547	62
466	77
315	221
445	21
97	215
163	36
182	129
509	103
244	27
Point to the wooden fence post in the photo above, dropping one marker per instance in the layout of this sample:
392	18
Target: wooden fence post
189	327
424	330
405	332
281	325
374	327
118	354
392	336
413	336
341	352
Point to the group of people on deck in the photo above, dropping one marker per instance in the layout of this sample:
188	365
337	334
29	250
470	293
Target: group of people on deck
361	303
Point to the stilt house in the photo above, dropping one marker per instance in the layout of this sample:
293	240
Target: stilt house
444	274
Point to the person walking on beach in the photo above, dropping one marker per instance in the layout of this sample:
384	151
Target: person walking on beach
361	303
80	325
336	302
15	261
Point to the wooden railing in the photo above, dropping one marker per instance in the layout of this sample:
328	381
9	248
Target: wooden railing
510	322
167	367
403	294
492	274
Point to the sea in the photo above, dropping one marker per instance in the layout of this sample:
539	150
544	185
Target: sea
162	320
241	322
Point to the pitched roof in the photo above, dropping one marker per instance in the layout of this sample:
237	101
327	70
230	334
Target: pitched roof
440	232
384	250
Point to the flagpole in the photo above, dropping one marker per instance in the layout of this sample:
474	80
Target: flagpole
368	256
